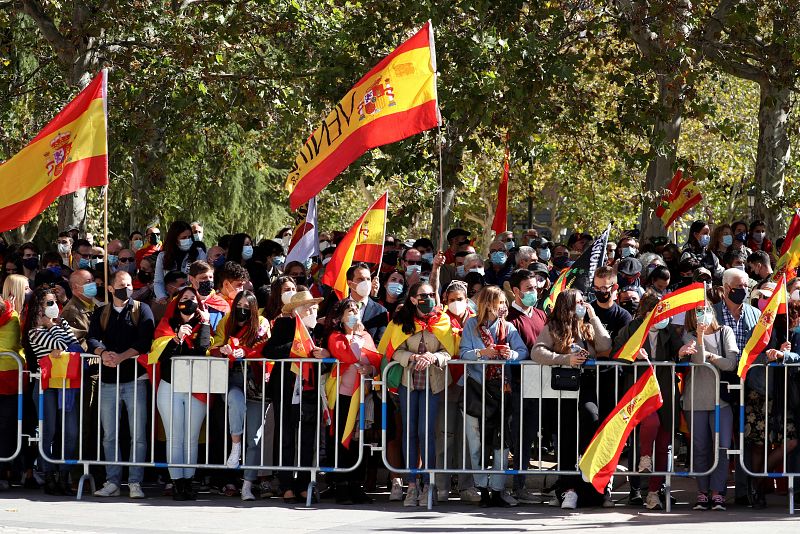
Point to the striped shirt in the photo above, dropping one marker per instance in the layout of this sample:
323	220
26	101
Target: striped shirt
45	340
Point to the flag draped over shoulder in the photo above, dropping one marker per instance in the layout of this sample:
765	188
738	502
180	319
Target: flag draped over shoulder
599	461
759	339
394	100
364	242
789	259
439	325
302	345
64	368
679	301
580	275
70	153
500	222
682	196
305	239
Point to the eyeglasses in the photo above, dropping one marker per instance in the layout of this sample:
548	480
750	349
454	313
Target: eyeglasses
125	260
50	303
413	262
96	257
602	288
426	295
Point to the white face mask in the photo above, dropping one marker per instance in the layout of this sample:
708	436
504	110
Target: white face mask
310	320
327	260
51	312
478	270
323	245
185	244
198	236
63	249
286	296
363	288
458	307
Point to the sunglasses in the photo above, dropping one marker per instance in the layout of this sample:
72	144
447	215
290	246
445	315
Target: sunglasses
413	262
96	257
426	295
125	260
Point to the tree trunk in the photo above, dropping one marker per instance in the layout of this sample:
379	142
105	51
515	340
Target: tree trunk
772	157
663	145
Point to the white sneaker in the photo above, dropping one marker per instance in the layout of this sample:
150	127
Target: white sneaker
442	495
423	496
109	489
554	502
247	491
397	490
135	490
233	457
527	496
470	495
508	499
412	496
570	501
653	501
645	464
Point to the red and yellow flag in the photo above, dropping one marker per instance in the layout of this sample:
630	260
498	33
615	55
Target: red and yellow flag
364	242
500	222
394	100
55	371
682	196
600	459
680	301
789	258
759	339
301	347
70	153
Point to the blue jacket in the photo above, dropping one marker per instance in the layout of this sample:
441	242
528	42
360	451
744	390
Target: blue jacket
471	343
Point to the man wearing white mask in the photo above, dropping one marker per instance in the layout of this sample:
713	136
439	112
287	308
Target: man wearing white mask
373	316
197	231
411	262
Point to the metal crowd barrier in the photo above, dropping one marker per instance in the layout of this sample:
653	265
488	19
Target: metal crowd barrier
204	375
20	365
786	423
534	385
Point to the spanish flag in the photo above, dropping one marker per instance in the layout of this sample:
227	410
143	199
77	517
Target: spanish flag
301	347
70	153
790	251
599	461
364	242
682	195
10	368
759	339
394	100
439	325
500	222
679	301
55	371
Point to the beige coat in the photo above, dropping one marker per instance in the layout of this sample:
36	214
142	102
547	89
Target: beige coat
439	377
543	353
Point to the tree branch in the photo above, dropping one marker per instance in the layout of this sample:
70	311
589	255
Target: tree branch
62	46
711	44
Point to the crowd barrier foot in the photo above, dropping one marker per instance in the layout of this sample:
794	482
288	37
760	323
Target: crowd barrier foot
791	495
84	477
311	492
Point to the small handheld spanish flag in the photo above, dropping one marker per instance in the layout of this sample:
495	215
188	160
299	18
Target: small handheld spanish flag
301	347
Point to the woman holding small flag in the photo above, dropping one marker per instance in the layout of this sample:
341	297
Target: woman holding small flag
355	350
185	332
569	340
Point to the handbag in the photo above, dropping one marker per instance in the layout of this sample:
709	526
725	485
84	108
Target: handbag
565	378
478	406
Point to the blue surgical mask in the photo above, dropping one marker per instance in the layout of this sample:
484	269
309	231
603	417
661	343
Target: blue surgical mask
727	240
247	252
411	269
530	298
472	306
83	263
307	264
498	257
185	244
428	256
352	321
277	261
56	270
580	311
509	245
544	254
394	288
460	271
90	290
661	325
628	252
112	259
704	240
796	329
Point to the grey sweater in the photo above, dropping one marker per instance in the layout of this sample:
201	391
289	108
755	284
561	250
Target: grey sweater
700	392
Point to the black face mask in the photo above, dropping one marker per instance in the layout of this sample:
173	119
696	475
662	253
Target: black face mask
242	314
187	307
205	288
631	306
154	239
31	263
737	295
123	293
145	277
602	296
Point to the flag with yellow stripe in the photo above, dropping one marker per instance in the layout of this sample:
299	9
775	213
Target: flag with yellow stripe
682	195
789	259
762	332
70	153
680	301
600	459
394	100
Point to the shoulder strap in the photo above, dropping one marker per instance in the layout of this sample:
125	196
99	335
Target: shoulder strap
105	316
136	312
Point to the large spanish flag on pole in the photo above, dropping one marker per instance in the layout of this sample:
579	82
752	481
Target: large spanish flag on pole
394	100
600	460
683	300
759	339
789	259
682	196
364	242
70	153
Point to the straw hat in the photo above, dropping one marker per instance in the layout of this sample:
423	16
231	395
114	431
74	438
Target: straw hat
301	298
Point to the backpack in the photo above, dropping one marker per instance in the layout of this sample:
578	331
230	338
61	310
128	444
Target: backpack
105	314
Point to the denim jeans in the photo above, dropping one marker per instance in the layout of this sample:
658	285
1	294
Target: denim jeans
183	416
454	440
702	429
237	409
417	423
51	424
133	398
500	457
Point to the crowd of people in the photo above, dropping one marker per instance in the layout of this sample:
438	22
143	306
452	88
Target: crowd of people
421	308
